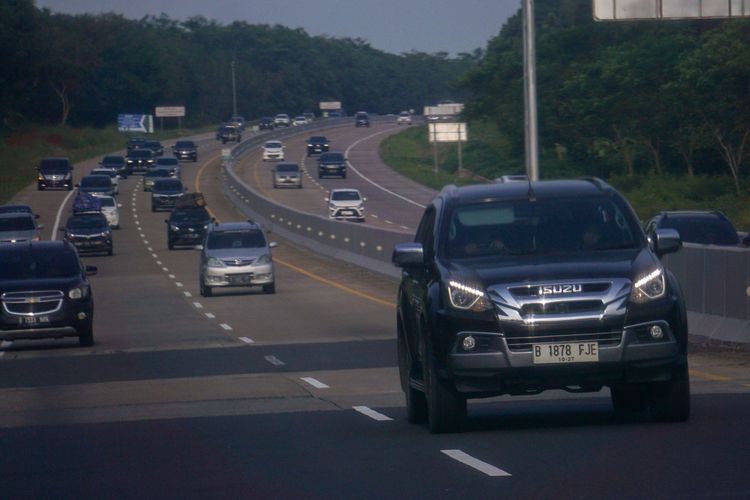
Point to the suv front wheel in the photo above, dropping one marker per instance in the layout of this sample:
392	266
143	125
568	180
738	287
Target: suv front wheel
205	289
416	404
446	408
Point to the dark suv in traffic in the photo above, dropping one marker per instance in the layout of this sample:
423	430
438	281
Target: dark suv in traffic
332	163
54	173
185	150
45	292
187	226
523	287
700	227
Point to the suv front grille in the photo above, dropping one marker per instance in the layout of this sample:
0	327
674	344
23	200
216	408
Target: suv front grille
238	262
578	306
32	303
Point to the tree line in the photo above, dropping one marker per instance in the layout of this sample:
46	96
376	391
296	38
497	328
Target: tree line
86	69
625	98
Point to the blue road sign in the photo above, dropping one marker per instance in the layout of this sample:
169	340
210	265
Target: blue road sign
135	123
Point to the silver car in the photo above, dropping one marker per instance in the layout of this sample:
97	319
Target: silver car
347	204
18	227
236	254
287	175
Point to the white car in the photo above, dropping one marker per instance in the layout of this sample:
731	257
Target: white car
111	210
273	150
347	204
299	120
404	118
112	174
282	120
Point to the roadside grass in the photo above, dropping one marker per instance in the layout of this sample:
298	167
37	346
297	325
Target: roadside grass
489	155
21	150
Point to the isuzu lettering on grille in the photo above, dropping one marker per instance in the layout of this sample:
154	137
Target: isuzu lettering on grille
560	289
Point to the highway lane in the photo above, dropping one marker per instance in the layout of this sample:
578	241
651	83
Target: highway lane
170	404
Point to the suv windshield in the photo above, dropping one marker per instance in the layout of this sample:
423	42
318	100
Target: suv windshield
92	221
287	168
235	239
184	144
23	265
539	227
141	153
189	215
54	166
168	185
331	157
96	181
19	223
701	229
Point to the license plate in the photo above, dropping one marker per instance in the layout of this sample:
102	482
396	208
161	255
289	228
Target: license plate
569	352
33	320
240	279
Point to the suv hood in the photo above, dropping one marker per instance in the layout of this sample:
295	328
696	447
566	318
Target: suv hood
24	285
18	235
530	268
346	203
240	253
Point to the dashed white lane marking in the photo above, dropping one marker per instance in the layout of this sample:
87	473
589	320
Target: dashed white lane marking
403	227
373	216
142	235
475	463
158	262
178	284
188	294
154	255
165	269
198	305
274	361
315	383
225	326
246	340
148	248
387	221
5	344
210	315
2	353
364	410
172	276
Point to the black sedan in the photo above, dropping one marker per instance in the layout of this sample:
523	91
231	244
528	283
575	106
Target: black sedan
89	232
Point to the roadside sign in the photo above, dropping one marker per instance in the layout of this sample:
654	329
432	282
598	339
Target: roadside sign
135	123
169	111
444	109
623	10
330	105
447	132
226	154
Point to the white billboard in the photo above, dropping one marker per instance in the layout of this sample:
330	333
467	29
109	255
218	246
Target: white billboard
620	10
169	111
330	105
447	132
444	109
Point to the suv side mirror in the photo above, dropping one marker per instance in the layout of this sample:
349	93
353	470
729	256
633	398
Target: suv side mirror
408	254
666	241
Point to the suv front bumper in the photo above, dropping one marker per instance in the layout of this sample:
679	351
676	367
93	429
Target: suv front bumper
237	276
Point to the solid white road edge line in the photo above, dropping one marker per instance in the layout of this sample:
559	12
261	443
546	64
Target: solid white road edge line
475	463
315	383
56	227
364	410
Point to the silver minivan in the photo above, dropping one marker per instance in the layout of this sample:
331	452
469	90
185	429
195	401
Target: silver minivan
236	254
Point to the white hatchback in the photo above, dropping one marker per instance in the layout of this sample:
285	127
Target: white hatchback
273	150
111	210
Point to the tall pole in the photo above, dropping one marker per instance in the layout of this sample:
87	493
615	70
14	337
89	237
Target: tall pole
234	93
529	94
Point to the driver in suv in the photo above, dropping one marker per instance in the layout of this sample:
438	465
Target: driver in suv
523	287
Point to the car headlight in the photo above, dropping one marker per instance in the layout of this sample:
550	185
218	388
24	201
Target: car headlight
648	286
263	259
467	297
214	262
40	177
78	292
174	228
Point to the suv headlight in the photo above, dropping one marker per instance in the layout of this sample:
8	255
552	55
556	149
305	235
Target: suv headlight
467	297
214	262
263	259
648	286
78	292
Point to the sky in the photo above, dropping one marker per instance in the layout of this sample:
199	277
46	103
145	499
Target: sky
396	26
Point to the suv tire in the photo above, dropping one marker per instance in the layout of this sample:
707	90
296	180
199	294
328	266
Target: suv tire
630	398
671	400
205	290
416	403
86	338
446	409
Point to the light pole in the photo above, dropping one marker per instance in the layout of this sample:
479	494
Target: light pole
234	93
529	91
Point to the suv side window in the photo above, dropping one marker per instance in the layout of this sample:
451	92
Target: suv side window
426	232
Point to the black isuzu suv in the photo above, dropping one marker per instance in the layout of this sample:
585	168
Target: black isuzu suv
523	287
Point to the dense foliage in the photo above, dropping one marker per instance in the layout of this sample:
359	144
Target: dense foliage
84	70
622	99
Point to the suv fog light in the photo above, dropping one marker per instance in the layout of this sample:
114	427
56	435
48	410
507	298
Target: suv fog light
656	332
81	315
469	343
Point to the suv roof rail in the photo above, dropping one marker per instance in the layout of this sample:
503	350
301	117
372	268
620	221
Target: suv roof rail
601	184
